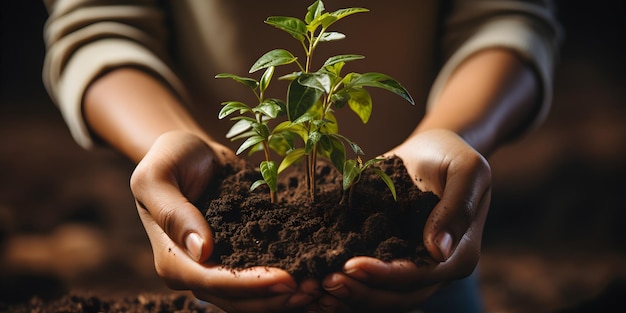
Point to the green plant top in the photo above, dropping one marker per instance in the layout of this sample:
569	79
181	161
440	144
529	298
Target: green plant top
307	127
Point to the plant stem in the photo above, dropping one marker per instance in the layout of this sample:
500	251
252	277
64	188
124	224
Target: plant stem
266	150
350	195
307	172
312	173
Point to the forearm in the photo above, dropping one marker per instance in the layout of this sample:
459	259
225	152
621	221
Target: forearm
487	100
129	109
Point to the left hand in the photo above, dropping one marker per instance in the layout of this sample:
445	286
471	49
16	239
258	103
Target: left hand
442	162
168	180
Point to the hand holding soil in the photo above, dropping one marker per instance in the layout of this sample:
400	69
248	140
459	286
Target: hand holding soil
176	170
437	160
442	162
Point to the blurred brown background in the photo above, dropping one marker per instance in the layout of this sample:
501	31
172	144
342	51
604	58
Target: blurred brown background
555	235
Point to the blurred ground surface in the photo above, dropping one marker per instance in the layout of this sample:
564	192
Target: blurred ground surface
555	235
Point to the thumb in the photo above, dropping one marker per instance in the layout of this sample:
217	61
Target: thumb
181	221
465	195
158	194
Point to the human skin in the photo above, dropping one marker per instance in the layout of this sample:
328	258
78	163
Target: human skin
140	117
486	101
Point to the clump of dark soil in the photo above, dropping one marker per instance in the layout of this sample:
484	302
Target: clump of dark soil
310	239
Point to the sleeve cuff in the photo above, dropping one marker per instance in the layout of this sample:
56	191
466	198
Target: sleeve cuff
91	61
512	33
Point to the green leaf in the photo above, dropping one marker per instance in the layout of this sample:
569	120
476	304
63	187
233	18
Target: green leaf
313	11
334	71
328	19
275	57
360	102
381	81
291	158
314	137
282	143
340	98
355	148
333	149
290	76
330	125
256	148
239	127
306	117
251	141
372	162
256	184
351	171
269	171
341	13
323	20
266	78
294	26
300	98
243	135
387	181
232	106
270	108
253	84
320	81
342	58
262	130
291	128
283	126
331	36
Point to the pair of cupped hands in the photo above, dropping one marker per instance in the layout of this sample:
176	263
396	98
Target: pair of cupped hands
178	167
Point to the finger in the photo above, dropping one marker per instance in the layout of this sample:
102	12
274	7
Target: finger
255	282
330	304
181	272
157	184
181	220
466	185
354	294
307	293
279	303
176	215
395	275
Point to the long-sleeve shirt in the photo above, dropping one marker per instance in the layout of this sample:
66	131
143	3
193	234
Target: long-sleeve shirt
185	43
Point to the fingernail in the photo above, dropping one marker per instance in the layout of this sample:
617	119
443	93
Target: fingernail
194	243
335	287
282	288
357	274
444	243
339	291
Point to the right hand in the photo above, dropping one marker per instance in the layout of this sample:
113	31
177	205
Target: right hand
440	161
173	174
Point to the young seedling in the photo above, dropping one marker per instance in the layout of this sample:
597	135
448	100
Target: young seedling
311	99
255	128
352	170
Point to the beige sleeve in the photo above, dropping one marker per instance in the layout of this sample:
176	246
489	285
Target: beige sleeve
528	28
84	39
